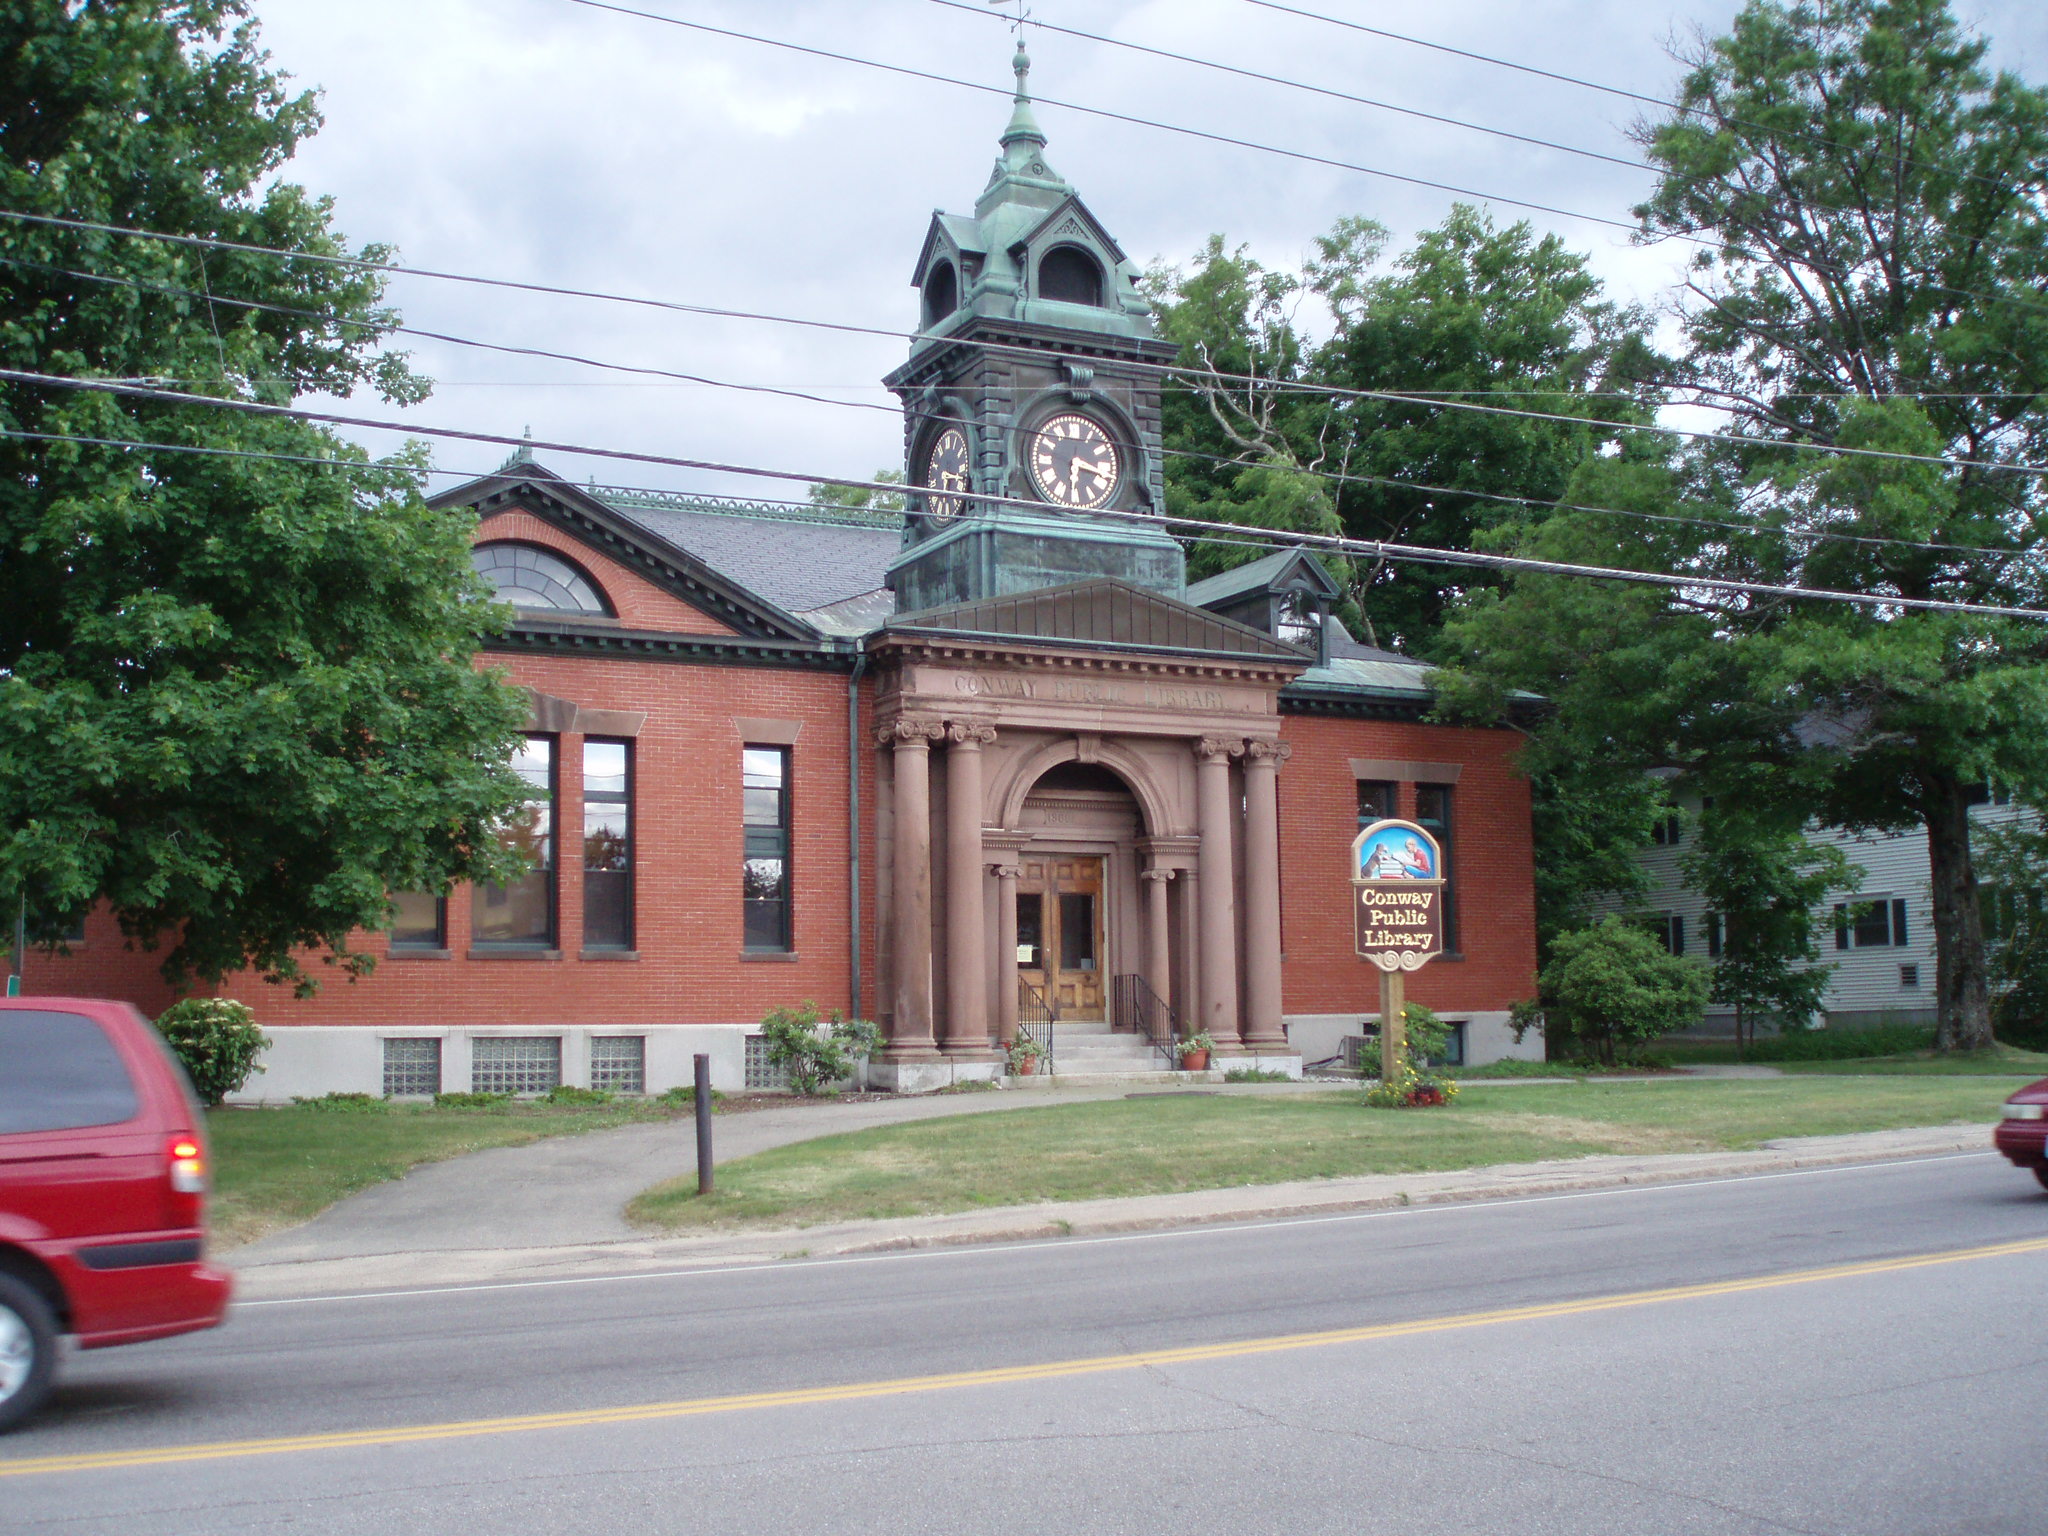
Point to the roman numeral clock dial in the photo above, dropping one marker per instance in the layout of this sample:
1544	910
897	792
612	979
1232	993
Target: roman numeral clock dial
945	470
1073	463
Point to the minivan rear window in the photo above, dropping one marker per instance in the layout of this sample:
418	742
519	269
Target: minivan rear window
59	1071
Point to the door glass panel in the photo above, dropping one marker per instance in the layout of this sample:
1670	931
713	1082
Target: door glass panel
1031	930
1077	931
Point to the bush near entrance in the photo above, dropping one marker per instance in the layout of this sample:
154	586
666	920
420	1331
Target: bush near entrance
815	1051
217	1040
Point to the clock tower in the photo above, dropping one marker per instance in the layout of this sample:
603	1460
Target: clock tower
1032	377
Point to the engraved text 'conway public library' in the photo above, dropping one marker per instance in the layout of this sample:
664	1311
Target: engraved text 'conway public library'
1082	690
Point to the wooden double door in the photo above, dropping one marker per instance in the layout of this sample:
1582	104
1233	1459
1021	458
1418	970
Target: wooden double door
1060	930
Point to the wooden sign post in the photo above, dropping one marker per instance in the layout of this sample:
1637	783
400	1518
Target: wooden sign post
1397	903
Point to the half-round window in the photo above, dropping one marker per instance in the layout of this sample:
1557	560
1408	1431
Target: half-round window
1071	275
941	292
527	576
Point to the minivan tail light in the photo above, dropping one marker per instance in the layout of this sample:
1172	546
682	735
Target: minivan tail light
186	1170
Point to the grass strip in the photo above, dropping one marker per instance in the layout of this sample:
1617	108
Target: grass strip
1168	1144
277	1166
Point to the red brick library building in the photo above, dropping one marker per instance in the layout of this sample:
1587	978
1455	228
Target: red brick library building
986	766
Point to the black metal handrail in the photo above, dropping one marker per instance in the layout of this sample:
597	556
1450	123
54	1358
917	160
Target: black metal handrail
1135	1006
1036	1015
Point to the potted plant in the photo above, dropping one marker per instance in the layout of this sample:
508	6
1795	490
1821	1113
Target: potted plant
1194	1052
1025	1055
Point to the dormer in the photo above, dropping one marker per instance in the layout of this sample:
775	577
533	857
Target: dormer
1287	594
1075	273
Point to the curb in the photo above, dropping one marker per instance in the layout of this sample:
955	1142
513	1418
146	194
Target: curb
370	1274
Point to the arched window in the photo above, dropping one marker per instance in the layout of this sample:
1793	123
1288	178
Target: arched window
527	576
941	292
1071	275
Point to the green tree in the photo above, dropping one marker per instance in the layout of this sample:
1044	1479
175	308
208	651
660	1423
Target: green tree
1474	313
237	694
1875	278
861	498
1767	888
2013	865
1610	989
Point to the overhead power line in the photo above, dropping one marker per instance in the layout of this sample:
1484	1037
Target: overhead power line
1338	477
1300	85
1382	549
1177	371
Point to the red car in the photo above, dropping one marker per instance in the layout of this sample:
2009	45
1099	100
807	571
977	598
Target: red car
2022	1134
102	1190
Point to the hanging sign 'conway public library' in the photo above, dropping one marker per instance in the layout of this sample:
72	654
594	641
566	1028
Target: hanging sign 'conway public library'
1397	895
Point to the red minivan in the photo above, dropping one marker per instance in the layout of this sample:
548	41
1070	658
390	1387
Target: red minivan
102	1190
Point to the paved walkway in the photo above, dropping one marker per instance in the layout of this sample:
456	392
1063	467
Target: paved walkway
555	1209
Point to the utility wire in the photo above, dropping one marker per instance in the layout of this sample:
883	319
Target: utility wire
1634	229
1176	371
1332	476
1382	549
1299	85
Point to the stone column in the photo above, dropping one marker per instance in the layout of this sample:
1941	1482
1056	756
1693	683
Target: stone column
1006	951
966	1031
1262	1028
911	1033
1158	948
1217	921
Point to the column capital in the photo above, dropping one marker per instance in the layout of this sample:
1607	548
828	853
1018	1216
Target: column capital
1210	749
1157	875
1005	871
969	734
1274	752
908	730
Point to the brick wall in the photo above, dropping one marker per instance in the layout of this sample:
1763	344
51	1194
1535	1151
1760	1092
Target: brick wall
1493	858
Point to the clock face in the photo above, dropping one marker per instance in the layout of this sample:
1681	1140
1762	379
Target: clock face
1074	463
945	469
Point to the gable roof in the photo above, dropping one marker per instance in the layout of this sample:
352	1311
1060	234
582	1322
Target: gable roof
1285	570
1102	612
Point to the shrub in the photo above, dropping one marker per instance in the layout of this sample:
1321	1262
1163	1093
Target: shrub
1843	1044
1427	1036
1256	1075
816	1052
346	1103
1613	988
471	1100
563	1094
1409	1089
217	1040
684	1096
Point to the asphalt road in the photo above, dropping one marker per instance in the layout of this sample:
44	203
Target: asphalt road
1667	1363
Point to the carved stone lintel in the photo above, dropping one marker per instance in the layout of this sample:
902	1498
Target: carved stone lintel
1274	752
1210	748
969	734
909	729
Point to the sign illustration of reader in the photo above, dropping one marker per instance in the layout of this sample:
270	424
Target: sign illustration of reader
1396	851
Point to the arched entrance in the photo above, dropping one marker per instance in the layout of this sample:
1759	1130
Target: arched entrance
1078	909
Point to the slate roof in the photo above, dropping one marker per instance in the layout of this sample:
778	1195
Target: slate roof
799	558
1260	575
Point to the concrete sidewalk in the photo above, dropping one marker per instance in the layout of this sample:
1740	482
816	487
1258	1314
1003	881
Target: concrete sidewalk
271	1271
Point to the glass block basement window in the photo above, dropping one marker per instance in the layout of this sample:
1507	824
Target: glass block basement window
761	1072
618	1063
412	1068
515	1063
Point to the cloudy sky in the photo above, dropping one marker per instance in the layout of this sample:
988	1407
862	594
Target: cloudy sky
548	141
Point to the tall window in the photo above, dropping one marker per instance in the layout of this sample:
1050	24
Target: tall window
1375	801
607	845
1433	815
764	880
523	913
422	921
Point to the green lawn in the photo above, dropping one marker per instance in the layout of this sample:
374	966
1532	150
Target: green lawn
275	1167
1161	1144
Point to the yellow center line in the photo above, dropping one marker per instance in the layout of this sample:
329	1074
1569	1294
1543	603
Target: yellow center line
797	1397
